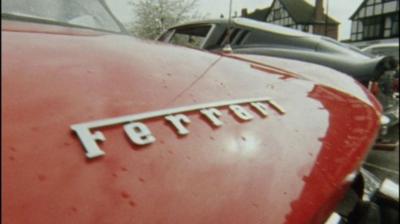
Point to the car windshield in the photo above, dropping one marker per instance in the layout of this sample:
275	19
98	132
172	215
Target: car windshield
83	13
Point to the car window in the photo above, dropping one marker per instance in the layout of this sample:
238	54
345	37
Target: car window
241	37
190	36
256	38
85	13
236	36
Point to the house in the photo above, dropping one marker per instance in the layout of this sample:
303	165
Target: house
375	21
299	15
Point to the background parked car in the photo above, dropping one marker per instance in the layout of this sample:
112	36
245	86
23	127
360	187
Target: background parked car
246	36
385	49
252	37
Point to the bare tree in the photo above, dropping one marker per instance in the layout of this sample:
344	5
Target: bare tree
153	16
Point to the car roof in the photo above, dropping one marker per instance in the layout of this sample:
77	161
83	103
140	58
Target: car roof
244	22
204	21
381	45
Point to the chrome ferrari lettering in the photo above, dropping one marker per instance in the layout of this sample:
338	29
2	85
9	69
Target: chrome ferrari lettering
213	115
178	122
89	140
261	108
276	107
141	135
241	113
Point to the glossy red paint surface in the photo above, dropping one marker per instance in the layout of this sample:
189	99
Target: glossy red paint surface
290	168
319	74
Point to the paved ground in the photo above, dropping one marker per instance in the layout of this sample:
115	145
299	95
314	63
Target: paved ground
384	164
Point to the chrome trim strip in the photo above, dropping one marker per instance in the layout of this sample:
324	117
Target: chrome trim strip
161	113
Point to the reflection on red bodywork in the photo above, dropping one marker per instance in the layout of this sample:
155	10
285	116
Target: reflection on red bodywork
264	67
284	75
352	130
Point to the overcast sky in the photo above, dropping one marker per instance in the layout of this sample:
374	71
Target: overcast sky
341	10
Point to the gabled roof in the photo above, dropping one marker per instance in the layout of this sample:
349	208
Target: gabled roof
300	11
358	9
259	14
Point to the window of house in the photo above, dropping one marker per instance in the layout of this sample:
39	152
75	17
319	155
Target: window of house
391	26
357	30
372	28
277	14
369	10
287	21
378	9
359	27
361	14
390	6
376	27
388	27
395	25
354	27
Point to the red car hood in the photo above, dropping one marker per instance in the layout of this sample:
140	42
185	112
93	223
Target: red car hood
292	166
